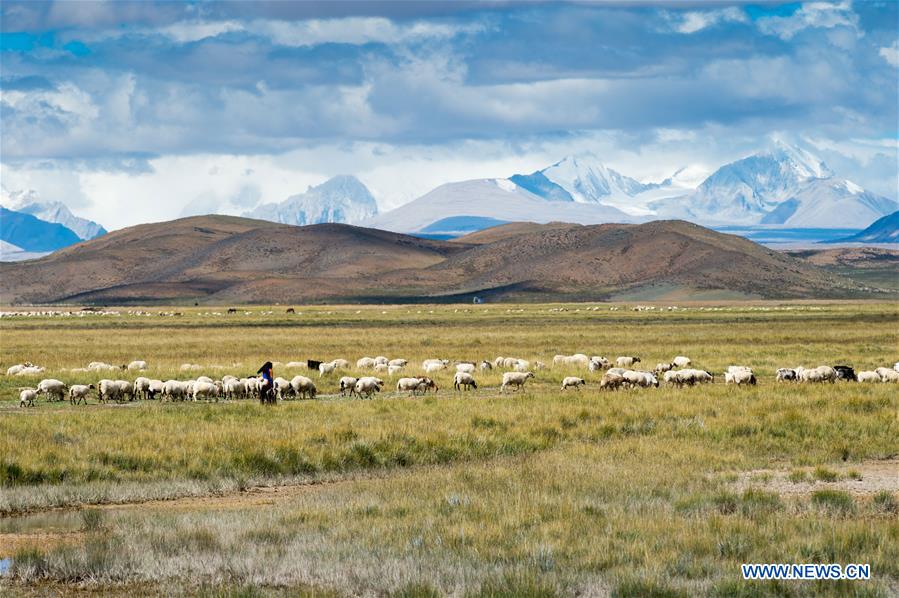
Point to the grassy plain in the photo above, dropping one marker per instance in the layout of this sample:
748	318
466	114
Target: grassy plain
651	492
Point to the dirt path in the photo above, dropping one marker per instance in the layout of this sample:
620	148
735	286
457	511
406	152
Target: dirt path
872	477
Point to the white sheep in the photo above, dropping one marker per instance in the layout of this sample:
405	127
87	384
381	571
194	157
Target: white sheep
888	374
739	376
205	390
171	389
680	361
205	379
303	387
611	381
434	367
137	364
365	363
326	368
486	366
663	367
467	368
141	387
295	364
573	382
398	362
381	360
24	369
786	375
869	376
822	373
282	387
100	366
522	365
341	364
367	386
234	388
27	397
627	361
408	384
464	379
79	393
381	367
516	379
156	388
54	389
393	370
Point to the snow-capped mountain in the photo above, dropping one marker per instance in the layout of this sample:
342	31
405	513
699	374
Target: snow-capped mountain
483	200
785	186
29	202
55	211
581	178
32	234
340	199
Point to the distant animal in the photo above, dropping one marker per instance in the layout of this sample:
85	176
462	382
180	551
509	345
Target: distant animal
312	364
573	382
515	379
627	361
348	385
232	310
464	380
845	372
680	361
27	397
303	387
291	310
786	375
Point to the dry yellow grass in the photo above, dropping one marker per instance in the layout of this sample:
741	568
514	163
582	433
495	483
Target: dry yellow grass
634	493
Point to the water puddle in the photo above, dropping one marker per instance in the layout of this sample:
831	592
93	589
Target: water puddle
5	566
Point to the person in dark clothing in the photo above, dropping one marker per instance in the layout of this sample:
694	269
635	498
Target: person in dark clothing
267	392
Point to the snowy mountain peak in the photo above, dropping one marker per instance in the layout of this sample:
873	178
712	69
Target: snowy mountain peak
29	202
801	161
342	198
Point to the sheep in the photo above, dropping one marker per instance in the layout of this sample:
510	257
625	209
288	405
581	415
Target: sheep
888	374
234	389
381	360
171	389
341	364
125	390
398	362
896	366
24	369
408	384
205	390
189	367
205	379
393	370
576	360
822	373
303	387
522	365
326	368
156	387
597	363
367	386
100	366
137	364
440	362
295	364
845	372
381	367
27	397
733	369
434	367
516	379
627	361
486	366
539	365
79	392
611	381
141	387
54	389
464	379
467	368
282	387
739	377
365	363
869	376
680	361
642	379
662	367
786	375
573	382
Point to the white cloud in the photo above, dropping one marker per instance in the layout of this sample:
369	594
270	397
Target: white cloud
826	15
693	21
891	54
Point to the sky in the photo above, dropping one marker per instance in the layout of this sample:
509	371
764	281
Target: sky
131	112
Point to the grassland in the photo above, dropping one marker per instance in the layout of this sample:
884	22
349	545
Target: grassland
654	492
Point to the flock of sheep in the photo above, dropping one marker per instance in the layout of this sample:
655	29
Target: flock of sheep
622	375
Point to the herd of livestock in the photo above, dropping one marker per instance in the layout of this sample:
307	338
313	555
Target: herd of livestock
621	374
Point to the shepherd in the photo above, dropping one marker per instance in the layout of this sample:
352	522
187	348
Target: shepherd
267	392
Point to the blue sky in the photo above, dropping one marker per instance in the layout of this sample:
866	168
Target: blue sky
144	111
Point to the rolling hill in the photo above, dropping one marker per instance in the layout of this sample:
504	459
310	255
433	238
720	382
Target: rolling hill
882	230
222	259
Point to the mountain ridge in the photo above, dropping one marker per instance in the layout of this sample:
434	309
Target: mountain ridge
220	259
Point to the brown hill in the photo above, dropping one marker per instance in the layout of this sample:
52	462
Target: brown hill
219	259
